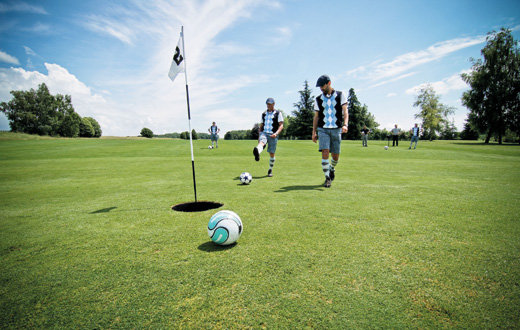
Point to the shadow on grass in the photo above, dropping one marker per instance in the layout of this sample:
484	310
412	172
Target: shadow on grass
212	247
105	210
291	188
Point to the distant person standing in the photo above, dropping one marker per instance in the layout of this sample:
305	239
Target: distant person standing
330	120
395	136
214	130
364	135
270	128
415	136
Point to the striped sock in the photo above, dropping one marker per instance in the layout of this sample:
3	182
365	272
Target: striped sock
271	162
333	164
325	166
260	148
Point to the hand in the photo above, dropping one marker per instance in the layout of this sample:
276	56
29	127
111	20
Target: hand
344	129
314	137
274	135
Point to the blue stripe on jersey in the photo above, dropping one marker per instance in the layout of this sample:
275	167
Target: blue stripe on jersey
268	124
329	103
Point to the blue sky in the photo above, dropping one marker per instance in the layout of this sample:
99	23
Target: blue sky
113	57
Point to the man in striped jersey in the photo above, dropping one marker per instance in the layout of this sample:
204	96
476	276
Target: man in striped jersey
270	128
330	120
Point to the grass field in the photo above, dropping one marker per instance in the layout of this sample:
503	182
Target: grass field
425	238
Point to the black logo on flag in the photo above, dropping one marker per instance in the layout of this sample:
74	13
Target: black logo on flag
178	57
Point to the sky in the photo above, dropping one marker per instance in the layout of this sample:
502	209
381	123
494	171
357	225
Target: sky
113	57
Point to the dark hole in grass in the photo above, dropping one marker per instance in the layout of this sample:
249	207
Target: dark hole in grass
196	206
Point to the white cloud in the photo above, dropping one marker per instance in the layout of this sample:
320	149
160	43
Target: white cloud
59	81
144	95
21	6
444	86
397	68
391	94
6	58
29	51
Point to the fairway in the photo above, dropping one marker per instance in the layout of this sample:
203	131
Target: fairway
424	238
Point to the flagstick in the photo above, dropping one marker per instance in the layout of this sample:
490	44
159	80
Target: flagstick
189	115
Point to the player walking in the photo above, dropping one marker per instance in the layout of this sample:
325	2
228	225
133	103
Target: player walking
270	128
330	120
214	130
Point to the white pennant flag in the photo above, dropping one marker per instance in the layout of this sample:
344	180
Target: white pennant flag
177	61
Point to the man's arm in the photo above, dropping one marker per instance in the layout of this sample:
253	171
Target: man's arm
344	129
314	127
279	130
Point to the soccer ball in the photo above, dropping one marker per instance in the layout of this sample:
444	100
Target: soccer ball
225	227
246	178
386	147
210	147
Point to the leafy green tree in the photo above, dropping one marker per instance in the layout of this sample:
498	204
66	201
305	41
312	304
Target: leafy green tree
146	132
468	133
449	131
254	131
194	135
433	113
301	126
95	126
493	100
85	128
40	112
358	116
69	126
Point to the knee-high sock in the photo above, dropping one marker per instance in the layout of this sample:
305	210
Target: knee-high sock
271	162
260	148
333	164
325	166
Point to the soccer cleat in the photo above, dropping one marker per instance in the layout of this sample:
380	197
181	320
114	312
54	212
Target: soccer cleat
270	173
255	152
332	175
327	182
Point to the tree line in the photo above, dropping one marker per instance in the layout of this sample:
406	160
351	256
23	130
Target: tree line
40	112
493	101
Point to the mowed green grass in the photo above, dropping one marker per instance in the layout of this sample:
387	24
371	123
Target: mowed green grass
424	238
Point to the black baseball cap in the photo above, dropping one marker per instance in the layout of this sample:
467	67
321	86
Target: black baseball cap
323	80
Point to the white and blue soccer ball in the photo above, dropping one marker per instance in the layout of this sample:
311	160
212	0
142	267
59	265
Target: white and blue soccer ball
386	147
210	147
246	178
225	227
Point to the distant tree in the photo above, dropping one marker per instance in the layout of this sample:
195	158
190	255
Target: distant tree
493	100
468	133
255	131
146	132
95	126
194	135
69	126
449	131
85	128
358	116
40	112
432	112
301	126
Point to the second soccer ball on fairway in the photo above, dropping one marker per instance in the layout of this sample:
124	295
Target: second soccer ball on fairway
246	178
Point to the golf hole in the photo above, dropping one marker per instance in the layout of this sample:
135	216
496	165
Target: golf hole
196	206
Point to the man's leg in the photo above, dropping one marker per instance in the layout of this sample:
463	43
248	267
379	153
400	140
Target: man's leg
333	163
262	141
271	164
325	165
